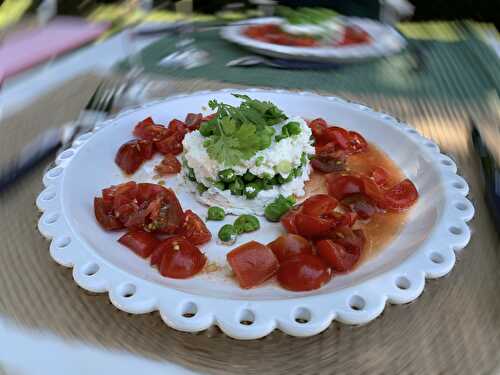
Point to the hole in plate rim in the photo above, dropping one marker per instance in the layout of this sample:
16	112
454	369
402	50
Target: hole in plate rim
357	303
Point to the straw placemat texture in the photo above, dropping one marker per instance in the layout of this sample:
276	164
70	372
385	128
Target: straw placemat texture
453	328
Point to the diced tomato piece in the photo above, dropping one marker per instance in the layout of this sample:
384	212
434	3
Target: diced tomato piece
288	221
178	128
169	165
148	130
357	143
336	255
140	242
319	204
352	240
194	229
132	154
361	205
303	272
104	215
341	186
312	226
170	145
400	196
380	176
180	258
193	121
289	245
146	192
318	127
253	263
339	136
329	159
165	213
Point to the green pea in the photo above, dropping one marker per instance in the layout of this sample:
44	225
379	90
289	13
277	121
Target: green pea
227	175
292	128
248	176
237	186
279	138
277	208
201	188
216	213
227	233
220	185
206	129
246	224
252	189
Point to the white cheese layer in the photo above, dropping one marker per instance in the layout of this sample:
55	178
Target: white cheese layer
287	150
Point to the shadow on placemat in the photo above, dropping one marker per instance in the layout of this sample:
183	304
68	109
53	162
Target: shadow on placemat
453	328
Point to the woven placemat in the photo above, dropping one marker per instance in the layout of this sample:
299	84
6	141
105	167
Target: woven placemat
453	328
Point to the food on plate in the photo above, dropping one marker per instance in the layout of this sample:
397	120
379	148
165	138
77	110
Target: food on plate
149	212
216	213
335	195
252	263
308	27
246	156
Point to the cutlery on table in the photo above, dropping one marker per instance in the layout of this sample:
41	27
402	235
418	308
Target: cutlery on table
50	140
254	60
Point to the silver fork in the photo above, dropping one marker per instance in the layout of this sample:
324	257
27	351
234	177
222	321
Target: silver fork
61	138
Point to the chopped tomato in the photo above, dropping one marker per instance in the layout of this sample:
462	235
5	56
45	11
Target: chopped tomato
193	121
356	143
148	130
380	176
339	136
336	255
318	205
354	35
132	154
123	194
312	226
361	205
275	35
318	127
194	229
178	128
180	259
328	159
104	215
400	196
146	192
165	213
288	221
170	145
140	242
303	272
253	263
289	245
169	165
352	240
341	186
209	117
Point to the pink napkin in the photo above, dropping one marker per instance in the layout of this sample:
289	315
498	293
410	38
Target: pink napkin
24	49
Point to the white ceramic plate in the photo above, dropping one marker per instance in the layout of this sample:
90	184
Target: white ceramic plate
385	41
425	248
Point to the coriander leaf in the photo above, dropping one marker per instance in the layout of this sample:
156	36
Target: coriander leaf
224	149
228	125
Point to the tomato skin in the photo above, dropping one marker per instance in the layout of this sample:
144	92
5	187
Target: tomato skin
140	242
312	226
357	143
352	240
169	145
288	221
149	131
123	194
253	263
180	259
132	154
193	121
165	213
318	127
147	192
290	245
336	255
338	136
303	272
380	176
319	204
194	229
400	196
104	215
169	165
341	186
